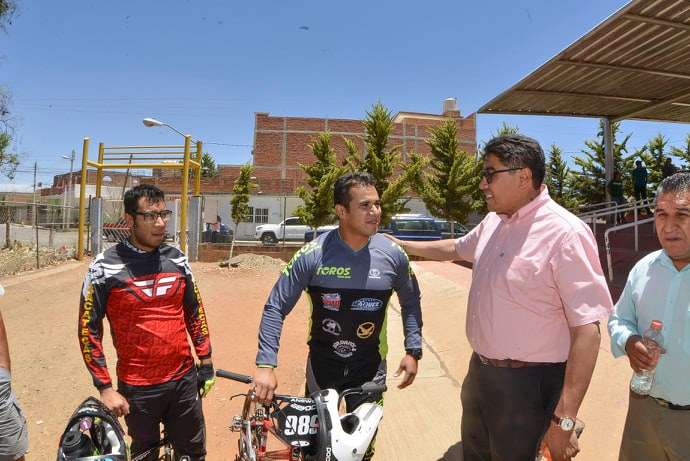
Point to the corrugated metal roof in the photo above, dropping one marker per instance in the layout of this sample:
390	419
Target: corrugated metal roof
634	65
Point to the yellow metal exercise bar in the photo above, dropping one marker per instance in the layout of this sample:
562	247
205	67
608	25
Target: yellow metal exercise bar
140	157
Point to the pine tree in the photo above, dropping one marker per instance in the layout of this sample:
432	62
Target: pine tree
589	183
450	188
240	200
655	158
382	162
321	177
208	166
683	154
559	179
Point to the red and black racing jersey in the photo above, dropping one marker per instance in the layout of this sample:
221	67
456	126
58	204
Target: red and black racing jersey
152	303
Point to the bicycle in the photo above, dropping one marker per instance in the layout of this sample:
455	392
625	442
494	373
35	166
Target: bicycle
94	433
167	455
305	428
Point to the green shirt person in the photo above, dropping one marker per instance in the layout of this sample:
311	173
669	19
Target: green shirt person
615	187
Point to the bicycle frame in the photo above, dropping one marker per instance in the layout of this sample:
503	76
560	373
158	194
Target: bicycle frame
164	443
257	428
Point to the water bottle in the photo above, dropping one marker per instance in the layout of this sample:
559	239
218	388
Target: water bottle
653	340
76	444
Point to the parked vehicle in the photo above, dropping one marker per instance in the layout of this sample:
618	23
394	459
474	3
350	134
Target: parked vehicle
309	235
444	225
291	229
412	227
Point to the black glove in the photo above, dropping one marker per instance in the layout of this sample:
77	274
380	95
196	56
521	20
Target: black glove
205	378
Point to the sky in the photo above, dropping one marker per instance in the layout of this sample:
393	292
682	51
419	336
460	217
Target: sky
93	68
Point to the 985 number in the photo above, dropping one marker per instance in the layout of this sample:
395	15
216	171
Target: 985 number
300	425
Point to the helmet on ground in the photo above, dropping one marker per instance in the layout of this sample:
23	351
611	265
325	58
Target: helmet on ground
93	433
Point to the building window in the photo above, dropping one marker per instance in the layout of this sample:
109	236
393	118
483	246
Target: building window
258	215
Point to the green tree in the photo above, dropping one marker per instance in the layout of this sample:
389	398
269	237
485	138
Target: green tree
8	161
589	183
450	188
321	177
382	162
240	200
559	179
506	129
8	11
208	166
683	153
654	158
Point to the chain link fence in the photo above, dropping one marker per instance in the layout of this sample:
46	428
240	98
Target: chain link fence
34	235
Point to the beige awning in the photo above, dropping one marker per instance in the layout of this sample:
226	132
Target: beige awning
635	65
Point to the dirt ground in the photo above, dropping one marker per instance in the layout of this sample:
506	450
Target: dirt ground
50	379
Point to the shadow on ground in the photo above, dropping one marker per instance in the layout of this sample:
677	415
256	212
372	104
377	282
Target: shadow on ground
454	453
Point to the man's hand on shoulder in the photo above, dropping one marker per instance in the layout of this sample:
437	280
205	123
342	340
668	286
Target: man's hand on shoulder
264	383
114	401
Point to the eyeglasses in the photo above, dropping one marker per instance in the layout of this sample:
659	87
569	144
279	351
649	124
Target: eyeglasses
151	217
488	174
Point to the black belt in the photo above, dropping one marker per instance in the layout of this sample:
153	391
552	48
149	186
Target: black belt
669	405
510	363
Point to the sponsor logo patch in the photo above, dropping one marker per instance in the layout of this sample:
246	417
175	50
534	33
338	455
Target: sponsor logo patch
366	329
344	348
153	288
367	304
374	273
331	326
331	301
333	271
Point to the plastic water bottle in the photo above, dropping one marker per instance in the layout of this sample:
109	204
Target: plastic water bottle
653	340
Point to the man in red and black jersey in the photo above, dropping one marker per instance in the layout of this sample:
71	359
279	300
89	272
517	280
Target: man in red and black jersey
148	293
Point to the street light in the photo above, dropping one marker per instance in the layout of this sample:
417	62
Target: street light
149	122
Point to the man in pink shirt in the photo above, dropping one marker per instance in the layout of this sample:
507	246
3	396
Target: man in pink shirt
537	296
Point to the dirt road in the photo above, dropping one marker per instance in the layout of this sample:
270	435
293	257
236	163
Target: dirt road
421	423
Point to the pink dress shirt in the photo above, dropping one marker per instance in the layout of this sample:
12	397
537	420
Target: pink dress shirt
534	275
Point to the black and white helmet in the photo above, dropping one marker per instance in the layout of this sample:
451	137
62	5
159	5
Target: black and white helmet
93	433
346	437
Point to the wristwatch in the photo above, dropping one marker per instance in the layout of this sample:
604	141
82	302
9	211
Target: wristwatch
566	424
416	353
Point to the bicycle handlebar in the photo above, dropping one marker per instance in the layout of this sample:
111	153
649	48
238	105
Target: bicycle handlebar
366	388
234	376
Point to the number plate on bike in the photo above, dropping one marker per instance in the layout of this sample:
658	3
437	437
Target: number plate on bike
297	421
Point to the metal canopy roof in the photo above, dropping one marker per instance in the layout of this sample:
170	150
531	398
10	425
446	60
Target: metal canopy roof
634	65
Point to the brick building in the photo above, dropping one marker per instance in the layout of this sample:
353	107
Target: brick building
282	143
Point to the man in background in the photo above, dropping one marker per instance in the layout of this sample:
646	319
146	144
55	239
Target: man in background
639	177
668	168
658	288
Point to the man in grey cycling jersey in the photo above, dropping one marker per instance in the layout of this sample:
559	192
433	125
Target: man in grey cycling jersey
349	275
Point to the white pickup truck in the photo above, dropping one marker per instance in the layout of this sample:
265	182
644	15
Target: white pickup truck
293	228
